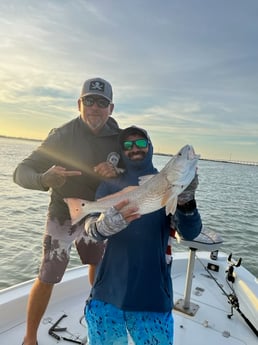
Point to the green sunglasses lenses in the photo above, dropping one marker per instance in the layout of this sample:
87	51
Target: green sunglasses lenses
139	143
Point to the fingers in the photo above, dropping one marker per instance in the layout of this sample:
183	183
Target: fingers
119	206
129	213
132	217
105	169
52	180
194	183
63	172
55	177
72	173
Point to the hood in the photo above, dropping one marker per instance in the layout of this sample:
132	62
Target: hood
135	169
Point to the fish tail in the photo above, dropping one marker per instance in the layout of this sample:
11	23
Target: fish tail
78	209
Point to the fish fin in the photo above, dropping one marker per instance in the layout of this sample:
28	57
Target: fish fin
77	209
170	201
144	179
171	205
165	198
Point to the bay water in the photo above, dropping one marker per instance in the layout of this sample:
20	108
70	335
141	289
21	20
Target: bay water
226	198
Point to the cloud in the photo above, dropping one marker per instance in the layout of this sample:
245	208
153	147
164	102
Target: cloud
179	68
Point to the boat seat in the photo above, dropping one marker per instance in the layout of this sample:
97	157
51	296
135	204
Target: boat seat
207	240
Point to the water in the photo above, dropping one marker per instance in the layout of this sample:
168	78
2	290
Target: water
227	200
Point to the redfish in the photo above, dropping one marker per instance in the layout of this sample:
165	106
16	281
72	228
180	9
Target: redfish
158	191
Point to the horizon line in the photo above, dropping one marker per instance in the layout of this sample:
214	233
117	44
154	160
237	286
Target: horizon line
155	153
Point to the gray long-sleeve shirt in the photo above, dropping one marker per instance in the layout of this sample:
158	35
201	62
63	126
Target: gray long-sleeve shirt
74	147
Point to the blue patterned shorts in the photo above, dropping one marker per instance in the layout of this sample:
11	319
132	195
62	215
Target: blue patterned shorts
108	325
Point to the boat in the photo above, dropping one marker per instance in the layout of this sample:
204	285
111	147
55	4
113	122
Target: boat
215	297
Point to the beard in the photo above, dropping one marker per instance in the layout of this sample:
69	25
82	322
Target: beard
137	155
95	123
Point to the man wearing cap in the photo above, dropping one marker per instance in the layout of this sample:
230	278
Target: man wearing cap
132	292
70	162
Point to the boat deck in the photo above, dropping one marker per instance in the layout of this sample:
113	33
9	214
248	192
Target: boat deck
210	324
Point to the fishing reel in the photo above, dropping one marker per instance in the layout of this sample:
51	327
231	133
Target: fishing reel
231	267
233	301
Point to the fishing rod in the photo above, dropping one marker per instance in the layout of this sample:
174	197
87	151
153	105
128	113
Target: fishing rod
232	297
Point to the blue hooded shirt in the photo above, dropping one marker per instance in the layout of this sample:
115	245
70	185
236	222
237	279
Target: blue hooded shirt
134	274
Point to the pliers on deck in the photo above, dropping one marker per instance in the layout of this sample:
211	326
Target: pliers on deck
54	329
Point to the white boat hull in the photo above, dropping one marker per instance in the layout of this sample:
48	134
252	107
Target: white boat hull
210	325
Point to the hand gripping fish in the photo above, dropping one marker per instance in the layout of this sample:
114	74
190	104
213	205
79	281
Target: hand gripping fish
160	190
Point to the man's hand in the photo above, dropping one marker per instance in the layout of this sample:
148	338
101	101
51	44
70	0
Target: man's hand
189	193
106	169
55	177
112	221
128	214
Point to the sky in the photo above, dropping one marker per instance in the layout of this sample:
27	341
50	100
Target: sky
185	70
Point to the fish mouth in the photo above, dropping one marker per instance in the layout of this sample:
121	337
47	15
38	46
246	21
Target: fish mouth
187	152
191	154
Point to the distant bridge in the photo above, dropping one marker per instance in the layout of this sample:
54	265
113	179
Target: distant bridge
214	160
230	161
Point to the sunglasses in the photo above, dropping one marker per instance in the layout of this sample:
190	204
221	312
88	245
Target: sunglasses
101	102
139	143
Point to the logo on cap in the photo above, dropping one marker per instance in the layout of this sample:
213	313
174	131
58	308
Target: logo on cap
97	86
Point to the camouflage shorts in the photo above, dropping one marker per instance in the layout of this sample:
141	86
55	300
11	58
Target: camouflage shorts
57	243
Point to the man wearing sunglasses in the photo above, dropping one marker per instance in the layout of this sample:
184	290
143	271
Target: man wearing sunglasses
71	162
132	292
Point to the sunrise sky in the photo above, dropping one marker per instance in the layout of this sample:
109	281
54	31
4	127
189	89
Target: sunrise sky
186	70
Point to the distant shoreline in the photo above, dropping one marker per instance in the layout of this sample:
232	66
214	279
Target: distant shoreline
155	153
212	160
19	138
